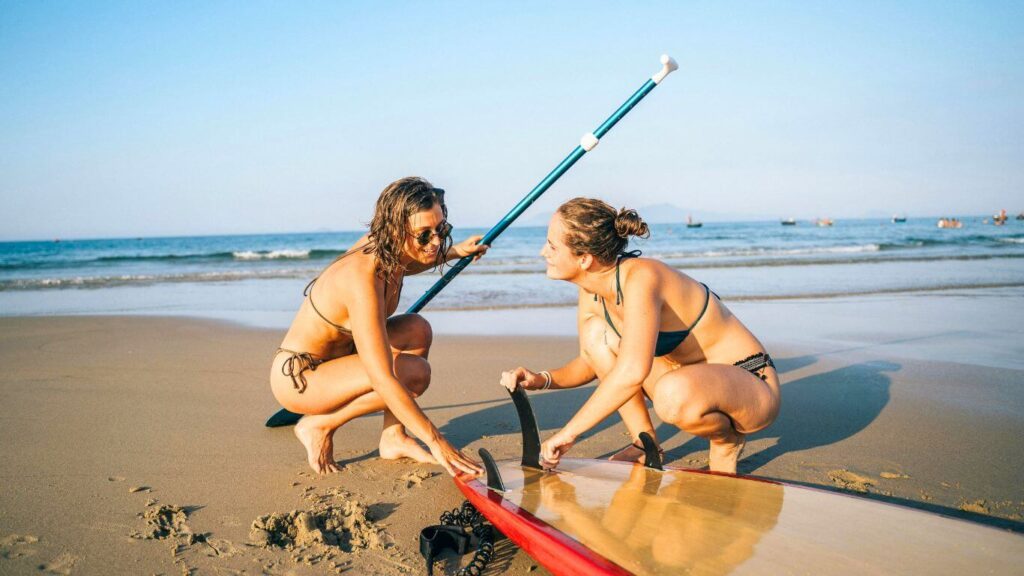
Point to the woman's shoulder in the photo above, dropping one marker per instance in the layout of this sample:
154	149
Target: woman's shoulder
351	268
653	271
645	267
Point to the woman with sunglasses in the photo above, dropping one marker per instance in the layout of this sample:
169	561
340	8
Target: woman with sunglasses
345	355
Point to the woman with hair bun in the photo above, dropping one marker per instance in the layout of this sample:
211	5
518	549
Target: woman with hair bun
345	355
648	330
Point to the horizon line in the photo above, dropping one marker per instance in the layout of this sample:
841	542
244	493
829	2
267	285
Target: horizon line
57	239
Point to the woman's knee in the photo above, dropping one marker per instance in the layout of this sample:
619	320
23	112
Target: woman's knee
674	400
593	341
410	332
413	372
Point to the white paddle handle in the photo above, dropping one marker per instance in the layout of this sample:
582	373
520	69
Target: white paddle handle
668	65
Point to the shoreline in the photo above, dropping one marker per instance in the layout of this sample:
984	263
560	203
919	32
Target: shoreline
968	326
110	412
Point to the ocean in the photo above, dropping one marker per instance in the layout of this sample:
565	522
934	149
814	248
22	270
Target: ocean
259	278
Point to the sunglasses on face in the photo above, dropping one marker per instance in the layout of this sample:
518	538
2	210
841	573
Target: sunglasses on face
442	231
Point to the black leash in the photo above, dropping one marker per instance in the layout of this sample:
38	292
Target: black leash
451	537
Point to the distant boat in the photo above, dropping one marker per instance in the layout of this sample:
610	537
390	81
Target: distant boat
789	222
691	224
823	222
1020	216
898	219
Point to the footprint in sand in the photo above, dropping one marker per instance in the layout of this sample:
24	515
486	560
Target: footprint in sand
325	527
850	480
60	565
17	546
894	475
115	479
978	506
415	478
166	521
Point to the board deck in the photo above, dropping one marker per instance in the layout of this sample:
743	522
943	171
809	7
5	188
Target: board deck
601	517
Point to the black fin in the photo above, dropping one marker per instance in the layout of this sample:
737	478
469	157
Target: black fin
652	458
528	425
493	477
283	418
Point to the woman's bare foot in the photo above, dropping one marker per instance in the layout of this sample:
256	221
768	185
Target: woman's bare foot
631	453
395	444
725	453
319	443
628	454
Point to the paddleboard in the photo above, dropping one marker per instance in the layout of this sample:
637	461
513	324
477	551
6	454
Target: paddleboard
601	517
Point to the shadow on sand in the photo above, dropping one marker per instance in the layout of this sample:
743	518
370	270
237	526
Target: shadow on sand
552	410
825	409
817	410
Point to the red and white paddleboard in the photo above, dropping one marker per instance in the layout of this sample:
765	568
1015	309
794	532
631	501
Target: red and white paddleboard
601	517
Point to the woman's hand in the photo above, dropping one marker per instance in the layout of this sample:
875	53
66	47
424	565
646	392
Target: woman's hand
511	379
470	247
555	447
451	459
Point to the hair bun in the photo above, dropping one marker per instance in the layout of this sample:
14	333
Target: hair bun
629	223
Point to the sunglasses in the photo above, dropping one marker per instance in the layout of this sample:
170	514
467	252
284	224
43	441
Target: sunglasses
444	229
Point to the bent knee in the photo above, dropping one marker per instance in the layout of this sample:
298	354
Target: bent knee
674	400
410	332
420	330
413	372
593	338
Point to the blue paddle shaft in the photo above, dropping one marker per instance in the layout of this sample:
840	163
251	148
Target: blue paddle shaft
525	203
285	418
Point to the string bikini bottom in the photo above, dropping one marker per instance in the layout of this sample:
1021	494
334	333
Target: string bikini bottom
755	364
296	365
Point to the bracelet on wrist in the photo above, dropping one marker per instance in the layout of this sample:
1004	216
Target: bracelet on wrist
547	379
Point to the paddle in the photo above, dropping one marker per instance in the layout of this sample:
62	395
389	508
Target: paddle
587	143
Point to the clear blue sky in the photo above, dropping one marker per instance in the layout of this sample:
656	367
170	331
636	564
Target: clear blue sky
150	118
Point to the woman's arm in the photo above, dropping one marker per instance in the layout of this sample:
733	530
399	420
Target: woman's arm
576	373
370	335
369	332
468	247
642	309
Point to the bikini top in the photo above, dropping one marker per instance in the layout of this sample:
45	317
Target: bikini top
667	341
308	292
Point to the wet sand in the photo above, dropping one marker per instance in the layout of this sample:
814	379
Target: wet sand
136	445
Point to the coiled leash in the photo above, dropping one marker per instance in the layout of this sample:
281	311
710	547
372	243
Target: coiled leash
451	537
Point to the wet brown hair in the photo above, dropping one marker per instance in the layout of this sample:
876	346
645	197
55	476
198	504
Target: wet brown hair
594	227
390	225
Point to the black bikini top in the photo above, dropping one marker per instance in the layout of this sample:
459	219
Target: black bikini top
667	341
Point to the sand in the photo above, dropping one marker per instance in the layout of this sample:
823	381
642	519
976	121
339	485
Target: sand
135	445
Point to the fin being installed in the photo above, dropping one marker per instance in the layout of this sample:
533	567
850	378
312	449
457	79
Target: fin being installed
493	477
652	458
531	441
528	425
